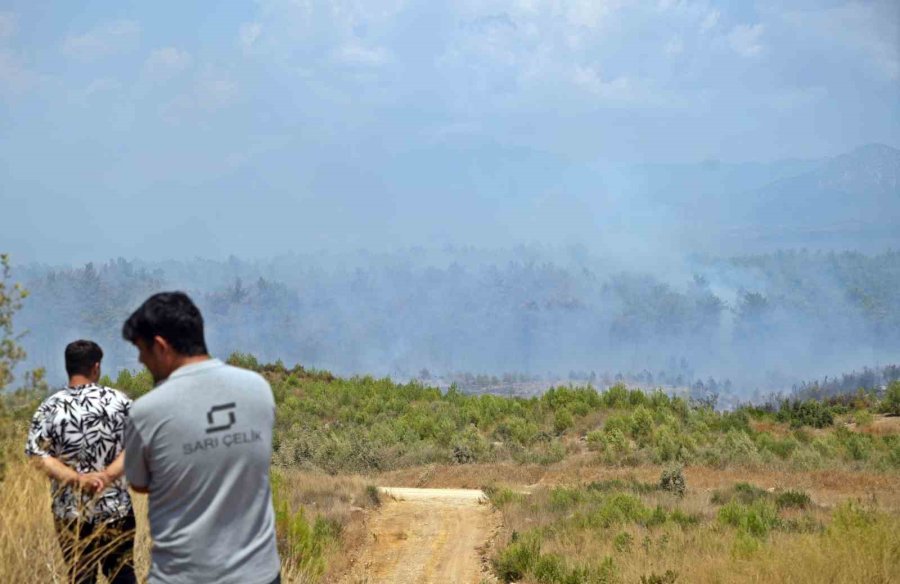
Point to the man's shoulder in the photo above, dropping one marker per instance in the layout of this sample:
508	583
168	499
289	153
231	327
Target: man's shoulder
52	400
243	375
149	402
116	394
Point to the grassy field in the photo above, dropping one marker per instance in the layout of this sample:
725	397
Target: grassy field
794	491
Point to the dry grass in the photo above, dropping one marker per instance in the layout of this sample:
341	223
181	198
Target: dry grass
828	487
29	551
345	501
707	552
863	551
881	425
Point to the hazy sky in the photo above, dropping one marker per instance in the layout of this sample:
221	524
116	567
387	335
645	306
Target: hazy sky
165	129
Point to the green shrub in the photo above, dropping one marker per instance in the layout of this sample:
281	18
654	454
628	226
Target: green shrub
623	541
298	540
793	500
891	402
863	418
667	446
741	492
756	519
562	498
805	413
850	516
562	421
618	509
857	446
517	559
595	440
501	497
631	484
373	495
550	569
668	577
683	519
807	459
641	423
672	481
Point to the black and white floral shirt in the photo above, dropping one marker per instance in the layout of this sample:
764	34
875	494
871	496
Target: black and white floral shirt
83	427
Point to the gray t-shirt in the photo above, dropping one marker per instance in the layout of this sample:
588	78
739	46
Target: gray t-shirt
201	442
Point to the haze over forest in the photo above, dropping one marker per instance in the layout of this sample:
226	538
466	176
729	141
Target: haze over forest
687	189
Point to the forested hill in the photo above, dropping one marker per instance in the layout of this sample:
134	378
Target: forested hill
764	322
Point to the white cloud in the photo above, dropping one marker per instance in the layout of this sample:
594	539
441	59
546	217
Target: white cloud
795	97
7	25
590	13
745	39
355	53
248	34
15	78
207	91
106	39
710	20
617	89
167	61
94	89
871	30
674	47
215	89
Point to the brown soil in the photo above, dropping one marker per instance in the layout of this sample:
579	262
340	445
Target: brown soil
427	536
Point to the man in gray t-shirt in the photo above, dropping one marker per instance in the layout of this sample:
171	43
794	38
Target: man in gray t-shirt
200	444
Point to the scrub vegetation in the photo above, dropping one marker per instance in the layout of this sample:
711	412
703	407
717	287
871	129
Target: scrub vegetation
627	484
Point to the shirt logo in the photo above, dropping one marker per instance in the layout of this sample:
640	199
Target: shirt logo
211	417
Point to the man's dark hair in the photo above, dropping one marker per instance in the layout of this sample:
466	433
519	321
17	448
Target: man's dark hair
172	316
81	356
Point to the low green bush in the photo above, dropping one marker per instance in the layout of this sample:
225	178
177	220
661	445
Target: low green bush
672	481
793	500
756	519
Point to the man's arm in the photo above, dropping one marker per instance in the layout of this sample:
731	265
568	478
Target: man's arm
115	471
134	464
102	479
39	436
58	470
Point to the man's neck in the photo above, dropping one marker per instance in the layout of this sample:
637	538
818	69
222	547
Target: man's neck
183	361
79	380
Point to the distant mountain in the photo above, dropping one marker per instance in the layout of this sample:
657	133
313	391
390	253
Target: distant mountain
851	201
857	188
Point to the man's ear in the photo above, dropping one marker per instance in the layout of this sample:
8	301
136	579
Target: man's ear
95	370
161	344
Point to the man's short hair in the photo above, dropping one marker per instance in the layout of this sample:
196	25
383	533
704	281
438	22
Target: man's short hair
81	356
172	316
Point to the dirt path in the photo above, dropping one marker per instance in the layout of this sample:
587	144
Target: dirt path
427	536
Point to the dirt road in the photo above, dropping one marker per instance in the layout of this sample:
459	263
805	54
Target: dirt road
427	536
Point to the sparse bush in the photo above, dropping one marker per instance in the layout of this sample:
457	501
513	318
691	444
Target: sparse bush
501	497
756	519
373	495
641	424
667	577
863	418
805	413
793	500
851	516
550	569
623	541
672	481
891	402
517	559
562	421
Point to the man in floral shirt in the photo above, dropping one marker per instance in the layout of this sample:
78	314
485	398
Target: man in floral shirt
76	439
